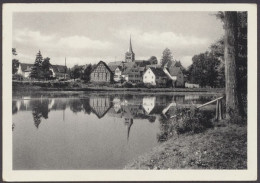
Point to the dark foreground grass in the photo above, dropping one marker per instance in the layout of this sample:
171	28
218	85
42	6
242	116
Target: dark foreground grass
221	147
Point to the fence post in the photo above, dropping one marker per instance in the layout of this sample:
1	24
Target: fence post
220	110
217	110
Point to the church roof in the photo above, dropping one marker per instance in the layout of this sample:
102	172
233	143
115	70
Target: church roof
59	68
115	63
130	47
158	72
174	70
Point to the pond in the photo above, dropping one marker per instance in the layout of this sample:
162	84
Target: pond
93	131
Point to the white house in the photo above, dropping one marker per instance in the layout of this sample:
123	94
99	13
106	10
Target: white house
24	69
118	74
155	76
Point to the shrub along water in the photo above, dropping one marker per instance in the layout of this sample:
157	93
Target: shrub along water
186	121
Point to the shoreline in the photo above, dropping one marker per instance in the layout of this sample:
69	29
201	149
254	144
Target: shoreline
34	87
207	150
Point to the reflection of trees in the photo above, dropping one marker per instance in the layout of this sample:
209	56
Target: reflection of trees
14	107
39	110
86	106
75	105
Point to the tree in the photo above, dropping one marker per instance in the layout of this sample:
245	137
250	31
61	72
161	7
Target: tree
153	60
203	70
46	66
15	62
87	73
14	51
231	56
76	72
36	72
166	57
217	50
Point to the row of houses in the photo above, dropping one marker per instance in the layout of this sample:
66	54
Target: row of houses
129	70
58	71
138	72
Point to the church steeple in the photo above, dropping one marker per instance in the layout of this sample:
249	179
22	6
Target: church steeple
130	46
129	55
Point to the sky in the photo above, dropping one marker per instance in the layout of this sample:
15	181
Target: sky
88	37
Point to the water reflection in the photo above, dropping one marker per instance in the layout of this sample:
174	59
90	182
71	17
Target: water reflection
129	107
122	126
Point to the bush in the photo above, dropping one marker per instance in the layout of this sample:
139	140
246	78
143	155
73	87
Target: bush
17	77
194	121
127	85
140	85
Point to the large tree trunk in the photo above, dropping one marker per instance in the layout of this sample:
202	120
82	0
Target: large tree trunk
230	56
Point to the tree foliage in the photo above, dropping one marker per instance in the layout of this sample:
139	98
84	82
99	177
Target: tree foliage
87	73
153	60
166	57
76	72
203	70
36	72
15	62
46	66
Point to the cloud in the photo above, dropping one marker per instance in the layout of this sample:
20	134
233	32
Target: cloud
28	35
54	42
82	42
186	61
160	40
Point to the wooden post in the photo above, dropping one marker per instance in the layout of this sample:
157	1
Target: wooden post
220	110
217	110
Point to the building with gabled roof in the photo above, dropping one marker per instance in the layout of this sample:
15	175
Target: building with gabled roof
117	72
176	75
24	69
59	71
101	73
155	76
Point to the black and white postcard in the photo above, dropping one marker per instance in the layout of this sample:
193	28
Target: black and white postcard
127	92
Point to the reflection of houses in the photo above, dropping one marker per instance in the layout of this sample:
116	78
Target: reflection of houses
101	73
148	104
116	104
100	105
128	123
191	97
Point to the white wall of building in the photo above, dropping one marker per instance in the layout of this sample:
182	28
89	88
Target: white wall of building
149	77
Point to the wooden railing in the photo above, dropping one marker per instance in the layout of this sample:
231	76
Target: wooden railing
219	114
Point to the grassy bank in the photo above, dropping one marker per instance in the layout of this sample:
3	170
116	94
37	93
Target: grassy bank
79	86
221	147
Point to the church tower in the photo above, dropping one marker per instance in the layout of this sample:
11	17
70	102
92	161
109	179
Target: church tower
130	55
